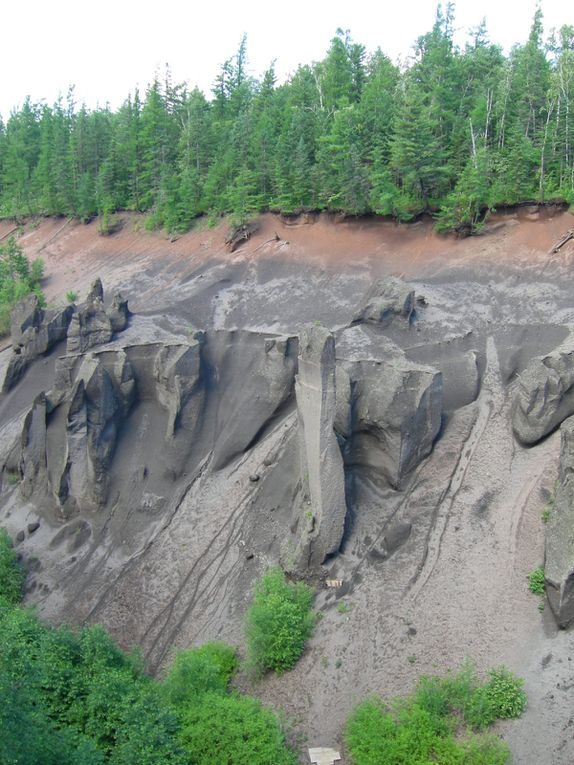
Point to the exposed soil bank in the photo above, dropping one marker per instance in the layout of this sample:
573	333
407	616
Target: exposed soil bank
454	587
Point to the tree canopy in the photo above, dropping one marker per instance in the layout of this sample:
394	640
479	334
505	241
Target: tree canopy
455	132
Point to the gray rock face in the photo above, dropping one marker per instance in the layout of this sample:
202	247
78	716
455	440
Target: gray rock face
389	298
86	417
268	366
544	396
34	331
96	291
95	413
128	424
177	372
321	517
397	405
559	565
33	447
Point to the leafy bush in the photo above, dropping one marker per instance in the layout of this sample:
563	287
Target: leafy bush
11	577
279	622
29	735
71	296
505	694
82	684
233	729
198	671
536	581
223	656
74	698
424	727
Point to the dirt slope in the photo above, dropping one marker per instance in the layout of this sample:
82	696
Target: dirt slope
456	587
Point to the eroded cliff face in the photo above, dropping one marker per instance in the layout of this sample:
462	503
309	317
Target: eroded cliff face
380	410
211	397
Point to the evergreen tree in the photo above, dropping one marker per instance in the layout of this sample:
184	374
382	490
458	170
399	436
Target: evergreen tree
454	133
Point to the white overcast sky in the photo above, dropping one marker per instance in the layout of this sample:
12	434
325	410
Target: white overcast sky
108	47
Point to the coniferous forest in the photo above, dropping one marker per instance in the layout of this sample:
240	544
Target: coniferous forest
455	133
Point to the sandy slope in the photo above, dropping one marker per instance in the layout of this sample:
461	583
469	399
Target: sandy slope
457	587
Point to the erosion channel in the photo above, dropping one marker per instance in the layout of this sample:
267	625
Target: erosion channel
353	400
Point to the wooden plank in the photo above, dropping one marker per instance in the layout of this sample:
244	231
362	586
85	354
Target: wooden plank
324	756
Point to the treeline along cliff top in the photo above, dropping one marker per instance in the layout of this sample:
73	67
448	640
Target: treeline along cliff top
455	133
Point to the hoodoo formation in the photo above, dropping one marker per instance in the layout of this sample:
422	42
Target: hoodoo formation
395	431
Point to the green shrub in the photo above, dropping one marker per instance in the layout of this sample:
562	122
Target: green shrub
536	581
425	727
410	734
11	577
505	693
74	698
89	689
223	656
71	296
36	272
198	671
29	735
279	622
233	729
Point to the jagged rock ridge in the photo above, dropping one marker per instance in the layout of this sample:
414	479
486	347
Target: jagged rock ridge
373	409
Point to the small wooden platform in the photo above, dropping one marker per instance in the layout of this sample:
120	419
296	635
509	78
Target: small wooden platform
323	756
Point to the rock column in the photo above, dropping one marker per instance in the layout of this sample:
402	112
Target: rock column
322	511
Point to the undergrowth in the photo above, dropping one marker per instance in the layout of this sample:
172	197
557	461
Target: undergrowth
72	697
443	721
536	581
279	623
18	278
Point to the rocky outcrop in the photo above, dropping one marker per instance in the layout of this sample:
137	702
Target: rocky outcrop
186	389
33	463
321	515
118	313
559	564
25	315
127	420
34	331
86	418
544	396
96	411
90	325
397	405
388	299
